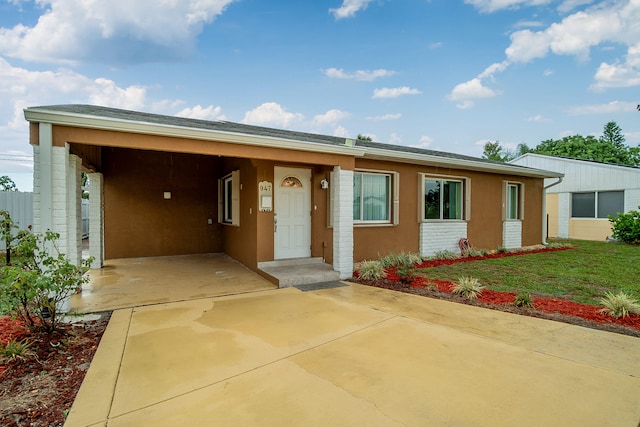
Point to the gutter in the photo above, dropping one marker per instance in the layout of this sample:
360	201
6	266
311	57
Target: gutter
544	208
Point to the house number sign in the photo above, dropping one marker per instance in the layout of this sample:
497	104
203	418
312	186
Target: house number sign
265	196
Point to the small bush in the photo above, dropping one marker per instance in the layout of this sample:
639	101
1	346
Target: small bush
502	250
371	270
445	254
523	300
475	252
467	287
16	350
400	259
405	274
619	305
626	227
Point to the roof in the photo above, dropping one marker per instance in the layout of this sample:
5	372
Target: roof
106	118
575	160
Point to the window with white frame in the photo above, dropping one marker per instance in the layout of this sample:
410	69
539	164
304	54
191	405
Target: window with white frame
597	204
229	199
443	198
373	197
513	201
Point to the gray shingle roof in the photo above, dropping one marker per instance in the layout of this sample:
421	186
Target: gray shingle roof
238	128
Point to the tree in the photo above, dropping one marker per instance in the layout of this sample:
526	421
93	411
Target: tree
609	148
362	137
493	151
7	184
613	134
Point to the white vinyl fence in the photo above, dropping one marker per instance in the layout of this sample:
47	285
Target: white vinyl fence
20	207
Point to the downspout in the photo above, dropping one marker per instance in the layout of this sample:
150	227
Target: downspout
544	209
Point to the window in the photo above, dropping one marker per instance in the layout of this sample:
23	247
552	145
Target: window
513	201
229	199
599	204
443	199
371	197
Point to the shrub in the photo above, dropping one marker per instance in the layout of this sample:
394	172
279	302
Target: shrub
626	227
445	254
371	270
39	278
405	274
16	350
400	259
523	300
467	287
475	252
619	305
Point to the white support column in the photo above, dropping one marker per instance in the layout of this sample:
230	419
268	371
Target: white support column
42	188
74	200
96	219
343	222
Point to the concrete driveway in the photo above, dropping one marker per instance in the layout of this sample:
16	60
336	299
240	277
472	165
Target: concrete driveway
353	356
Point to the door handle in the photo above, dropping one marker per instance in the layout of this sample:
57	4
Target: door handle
275	223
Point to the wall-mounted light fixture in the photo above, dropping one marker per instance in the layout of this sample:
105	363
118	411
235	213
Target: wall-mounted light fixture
167	195
324	184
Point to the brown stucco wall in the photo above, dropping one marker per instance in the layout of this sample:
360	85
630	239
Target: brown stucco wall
139	222
484	227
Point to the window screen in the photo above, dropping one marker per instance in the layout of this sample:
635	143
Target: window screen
583	205
610	203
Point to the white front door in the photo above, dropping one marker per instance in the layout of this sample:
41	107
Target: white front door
292	213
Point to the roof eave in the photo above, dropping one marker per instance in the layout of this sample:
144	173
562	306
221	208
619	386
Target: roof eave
40	115
426	159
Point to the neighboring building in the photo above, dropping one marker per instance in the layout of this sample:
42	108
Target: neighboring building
579	206
165	185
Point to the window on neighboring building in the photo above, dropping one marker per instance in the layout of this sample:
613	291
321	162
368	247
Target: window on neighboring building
443	199
229	199
372	197
598	204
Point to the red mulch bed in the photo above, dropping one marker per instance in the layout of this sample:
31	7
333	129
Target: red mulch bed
548	308
39	390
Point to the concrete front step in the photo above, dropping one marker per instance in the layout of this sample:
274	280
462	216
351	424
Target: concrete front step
299	271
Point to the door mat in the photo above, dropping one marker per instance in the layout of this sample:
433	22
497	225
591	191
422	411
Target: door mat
321	285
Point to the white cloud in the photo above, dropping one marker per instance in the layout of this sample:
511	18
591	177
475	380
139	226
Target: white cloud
110	31
341	132
384	117
538	118
436	45
467	93
271	114
489	6
197	112
424	142
608	108
620	74
362	75
330	117
21	88
548	72
569	5
349	8
577	33
394	92
394	138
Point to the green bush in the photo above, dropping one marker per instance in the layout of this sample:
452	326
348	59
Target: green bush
445	254
407	259
626	227
619	305
467	287
371	270
16	350
523	300
38	279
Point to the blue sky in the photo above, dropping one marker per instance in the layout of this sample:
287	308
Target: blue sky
440	74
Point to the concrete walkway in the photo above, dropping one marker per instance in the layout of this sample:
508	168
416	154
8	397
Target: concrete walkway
353	356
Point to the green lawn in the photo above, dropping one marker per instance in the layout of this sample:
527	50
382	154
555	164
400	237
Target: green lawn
582	274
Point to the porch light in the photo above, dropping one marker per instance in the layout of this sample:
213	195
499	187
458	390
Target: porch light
324	184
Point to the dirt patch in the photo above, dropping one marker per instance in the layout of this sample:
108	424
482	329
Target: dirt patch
40	390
